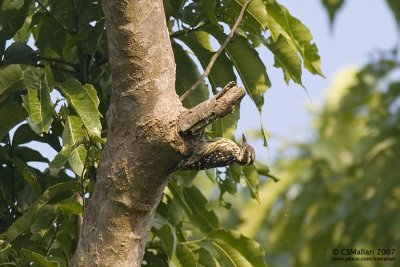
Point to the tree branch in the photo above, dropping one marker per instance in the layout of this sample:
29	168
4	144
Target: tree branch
57	60
53	237
74	73
194	120
216	55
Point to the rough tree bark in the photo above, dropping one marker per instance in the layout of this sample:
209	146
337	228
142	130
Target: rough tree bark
149	132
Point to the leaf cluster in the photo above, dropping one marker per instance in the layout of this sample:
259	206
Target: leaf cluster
54	90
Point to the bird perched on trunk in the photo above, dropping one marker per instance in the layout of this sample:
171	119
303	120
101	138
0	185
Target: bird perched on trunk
218	152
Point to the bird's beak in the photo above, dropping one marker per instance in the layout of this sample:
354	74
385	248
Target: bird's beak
244	139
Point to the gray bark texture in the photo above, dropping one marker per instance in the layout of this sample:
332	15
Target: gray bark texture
144	135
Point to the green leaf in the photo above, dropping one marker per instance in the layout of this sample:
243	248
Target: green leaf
186	75
208	7
74	133
159	221
191	14
20	53
45	41
23	34
27	174
332	7
395	8
24	134
255	17
262	169
85	102
67	235
28	154
263	133
177	4
251	175
12	20
49	77
95	35
248	64
58	41
153	260
185	256
60	159
11	113
43	223
167	236
222	71
24	222
173	211
10	79
238	249
234	172
298	36
206	258
12	4
37	259
4	154
256	9
227	185
37	102
193	203
287	58
226	126
312	61
77	159
197	203
168	9
70	206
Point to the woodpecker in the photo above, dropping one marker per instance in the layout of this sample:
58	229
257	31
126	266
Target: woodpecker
218	152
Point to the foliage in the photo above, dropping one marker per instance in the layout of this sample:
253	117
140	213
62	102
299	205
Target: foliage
333	6
55	89
340	190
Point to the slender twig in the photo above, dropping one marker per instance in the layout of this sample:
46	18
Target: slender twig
2	197
193	241
81	197
64	70
101	62
216	55
57	68
53	237
81	180
57	60
56	19
12	167
83	70
187	31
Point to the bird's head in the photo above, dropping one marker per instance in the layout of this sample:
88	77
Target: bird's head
247	154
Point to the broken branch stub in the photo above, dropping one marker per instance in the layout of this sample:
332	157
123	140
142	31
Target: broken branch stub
194	120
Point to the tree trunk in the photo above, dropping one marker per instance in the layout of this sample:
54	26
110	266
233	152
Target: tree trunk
149	132
142	137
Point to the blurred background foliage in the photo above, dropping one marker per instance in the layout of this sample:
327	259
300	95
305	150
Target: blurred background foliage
341	189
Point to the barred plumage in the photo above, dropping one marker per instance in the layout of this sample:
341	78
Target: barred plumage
219	152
